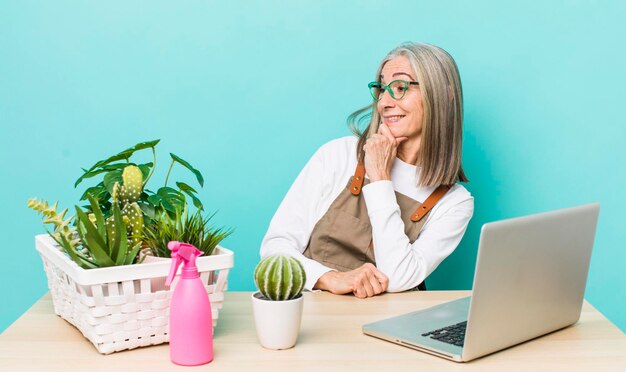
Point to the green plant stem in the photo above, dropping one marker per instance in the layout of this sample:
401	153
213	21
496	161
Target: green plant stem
168	173
145	182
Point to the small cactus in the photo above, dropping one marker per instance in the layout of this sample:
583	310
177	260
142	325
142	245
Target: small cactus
131	187
126	197
116	193
280	277
133	213
110	225
132	184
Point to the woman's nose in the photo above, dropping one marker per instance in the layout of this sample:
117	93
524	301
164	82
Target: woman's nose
386	100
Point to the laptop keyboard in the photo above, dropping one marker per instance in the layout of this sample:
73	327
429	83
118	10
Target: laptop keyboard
454	334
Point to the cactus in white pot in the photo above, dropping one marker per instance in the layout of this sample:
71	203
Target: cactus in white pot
278	305
280	277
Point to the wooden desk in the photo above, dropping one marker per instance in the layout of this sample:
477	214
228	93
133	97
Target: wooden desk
330	339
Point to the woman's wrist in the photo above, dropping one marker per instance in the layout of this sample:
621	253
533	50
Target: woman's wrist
379	177
323	282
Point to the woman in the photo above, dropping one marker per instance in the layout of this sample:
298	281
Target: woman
380	212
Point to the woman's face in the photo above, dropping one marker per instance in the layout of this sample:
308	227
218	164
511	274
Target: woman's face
404	117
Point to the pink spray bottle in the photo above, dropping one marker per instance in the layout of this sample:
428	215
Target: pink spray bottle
191	323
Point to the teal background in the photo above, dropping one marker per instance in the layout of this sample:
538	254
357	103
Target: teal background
247	91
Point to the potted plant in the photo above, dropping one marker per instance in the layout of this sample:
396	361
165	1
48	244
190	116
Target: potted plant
192	228
277	306
89	258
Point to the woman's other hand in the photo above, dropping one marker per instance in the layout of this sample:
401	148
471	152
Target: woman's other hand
366	281
380	151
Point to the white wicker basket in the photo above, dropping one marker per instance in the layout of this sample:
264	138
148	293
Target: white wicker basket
117	308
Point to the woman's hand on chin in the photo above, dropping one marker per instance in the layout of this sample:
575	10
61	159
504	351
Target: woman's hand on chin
380	151
365	281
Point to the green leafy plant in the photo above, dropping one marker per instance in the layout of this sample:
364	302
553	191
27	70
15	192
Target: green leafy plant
184	227
165	199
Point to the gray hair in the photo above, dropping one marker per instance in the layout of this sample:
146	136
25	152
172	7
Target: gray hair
439	155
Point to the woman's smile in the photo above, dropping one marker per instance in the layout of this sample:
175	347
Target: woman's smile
392	119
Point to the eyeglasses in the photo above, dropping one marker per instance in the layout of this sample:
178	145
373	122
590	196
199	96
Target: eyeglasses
396	89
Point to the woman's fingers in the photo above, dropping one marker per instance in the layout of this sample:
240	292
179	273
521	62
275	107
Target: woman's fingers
384	130
367	282
379	155
358	292
367	285
358	283
383	142
364	290
382	279
374	283
399	140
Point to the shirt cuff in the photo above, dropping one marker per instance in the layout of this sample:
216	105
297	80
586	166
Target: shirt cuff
379	195
314	270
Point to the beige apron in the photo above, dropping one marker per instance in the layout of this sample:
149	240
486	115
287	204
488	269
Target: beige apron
342	238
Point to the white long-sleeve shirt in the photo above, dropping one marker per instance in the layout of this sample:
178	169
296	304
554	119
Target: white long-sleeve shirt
326	175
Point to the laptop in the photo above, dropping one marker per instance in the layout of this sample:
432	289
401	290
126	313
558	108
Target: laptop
530	280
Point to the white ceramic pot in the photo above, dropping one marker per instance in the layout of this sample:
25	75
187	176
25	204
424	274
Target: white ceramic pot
277	322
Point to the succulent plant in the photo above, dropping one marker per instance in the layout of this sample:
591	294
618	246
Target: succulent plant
280	277
91	243
62	225
101	239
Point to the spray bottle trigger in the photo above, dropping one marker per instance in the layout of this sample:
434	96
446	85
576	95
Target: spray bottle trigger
176	261
173	269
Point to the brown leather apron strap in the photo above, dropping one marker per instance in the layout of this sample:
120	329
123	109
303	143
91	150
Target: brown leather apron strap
429	203
422	210
357	179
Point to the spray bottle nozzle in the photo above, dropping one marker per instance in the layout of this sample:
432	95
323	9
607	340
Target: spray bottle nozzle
182	253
